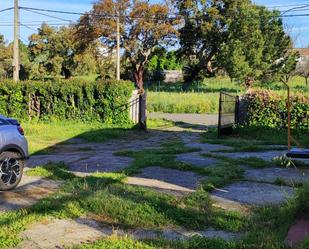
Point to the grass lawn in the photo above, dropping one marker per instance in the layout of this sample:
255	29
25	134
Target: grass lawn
106	197
204	97
42	135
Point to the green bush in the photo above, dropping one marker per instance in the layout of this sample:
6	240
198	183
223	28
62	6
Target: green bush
270	110
66	99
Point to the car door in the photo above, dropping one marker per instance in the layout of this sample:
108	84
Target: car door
2	128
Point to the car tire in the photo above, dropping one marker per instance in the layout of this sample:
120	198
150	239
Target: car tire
11	170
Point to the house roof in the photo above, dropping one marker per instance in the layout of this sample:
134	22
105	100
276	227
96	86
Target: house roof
303	52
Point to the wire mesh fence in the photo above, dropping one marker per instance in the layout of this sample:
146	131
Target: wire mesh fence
228	113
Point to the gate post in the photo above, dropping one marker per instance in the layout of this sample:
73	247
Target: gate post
142	117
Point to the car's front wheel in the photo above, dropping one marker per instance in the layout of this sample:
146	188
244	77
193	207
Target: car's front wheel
11	170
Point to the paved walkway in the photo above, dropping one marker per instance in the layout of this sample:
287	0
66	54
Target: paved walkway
60	233
193	119
257	189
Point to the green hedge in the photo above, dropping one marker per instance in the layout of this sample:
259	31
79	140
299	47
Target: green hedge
66	99
268	109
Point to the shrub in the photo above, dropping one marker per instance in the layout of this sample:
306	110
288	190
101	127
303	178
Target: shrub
270	110
66	99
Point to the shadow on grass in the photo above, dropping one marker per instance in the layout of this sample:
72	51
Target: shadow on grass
105	195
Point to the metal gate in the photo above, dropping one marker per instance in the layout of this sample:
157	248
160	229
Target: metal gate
228	113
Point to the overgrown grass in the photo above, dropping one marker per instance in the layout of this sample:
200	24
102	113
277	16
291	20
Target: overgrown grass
43	136
183	102
203	97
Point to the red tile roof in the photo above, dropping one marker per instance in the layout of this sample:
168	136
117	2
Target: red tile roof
303	51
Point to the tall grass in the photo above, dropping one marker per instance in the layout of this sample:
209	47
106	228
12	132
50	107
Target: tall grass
183	102
203	97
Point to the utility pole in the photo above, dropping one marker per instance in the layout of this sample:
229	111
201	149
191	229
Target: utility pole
16	43
118	49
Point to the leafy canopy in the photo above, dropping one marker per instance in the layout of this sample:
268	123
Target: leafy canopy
143	27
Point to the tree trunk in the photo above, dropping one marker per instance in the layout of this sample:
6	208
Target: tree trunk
66	72
138	78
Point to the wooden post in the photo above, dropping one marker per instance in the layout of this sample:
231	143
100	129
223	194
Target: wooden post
118	49
16	43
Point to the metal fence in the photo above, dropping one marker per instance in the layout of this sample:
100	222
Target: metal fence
228	113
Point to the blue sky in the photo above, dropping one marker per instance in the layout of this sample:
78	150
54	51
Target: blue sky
298	27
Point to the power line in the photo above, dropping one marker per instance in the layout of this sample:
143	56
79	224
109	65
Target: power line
140	17
284	5
28	27
34	25
55	17
3	10
294	8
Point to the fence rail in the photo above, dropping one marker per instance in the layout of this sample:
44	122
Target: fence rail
228	113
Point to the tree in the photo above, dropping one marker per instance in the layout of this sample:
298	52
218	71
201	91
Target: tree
50	52
6	59
302	70
256	42
143	27
53	52
243	39
284	68
205	30
161	60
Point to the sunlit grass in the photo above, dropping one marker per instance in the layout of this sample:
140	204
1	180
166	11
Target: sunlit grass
203	97
42	135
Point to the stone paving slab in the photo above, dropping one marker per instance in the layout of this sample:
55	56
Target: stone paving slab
60	233
229	205
256	194
196	159
289	175
159	186
180	178
206	148
30	190
101	162
40	160
265	155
